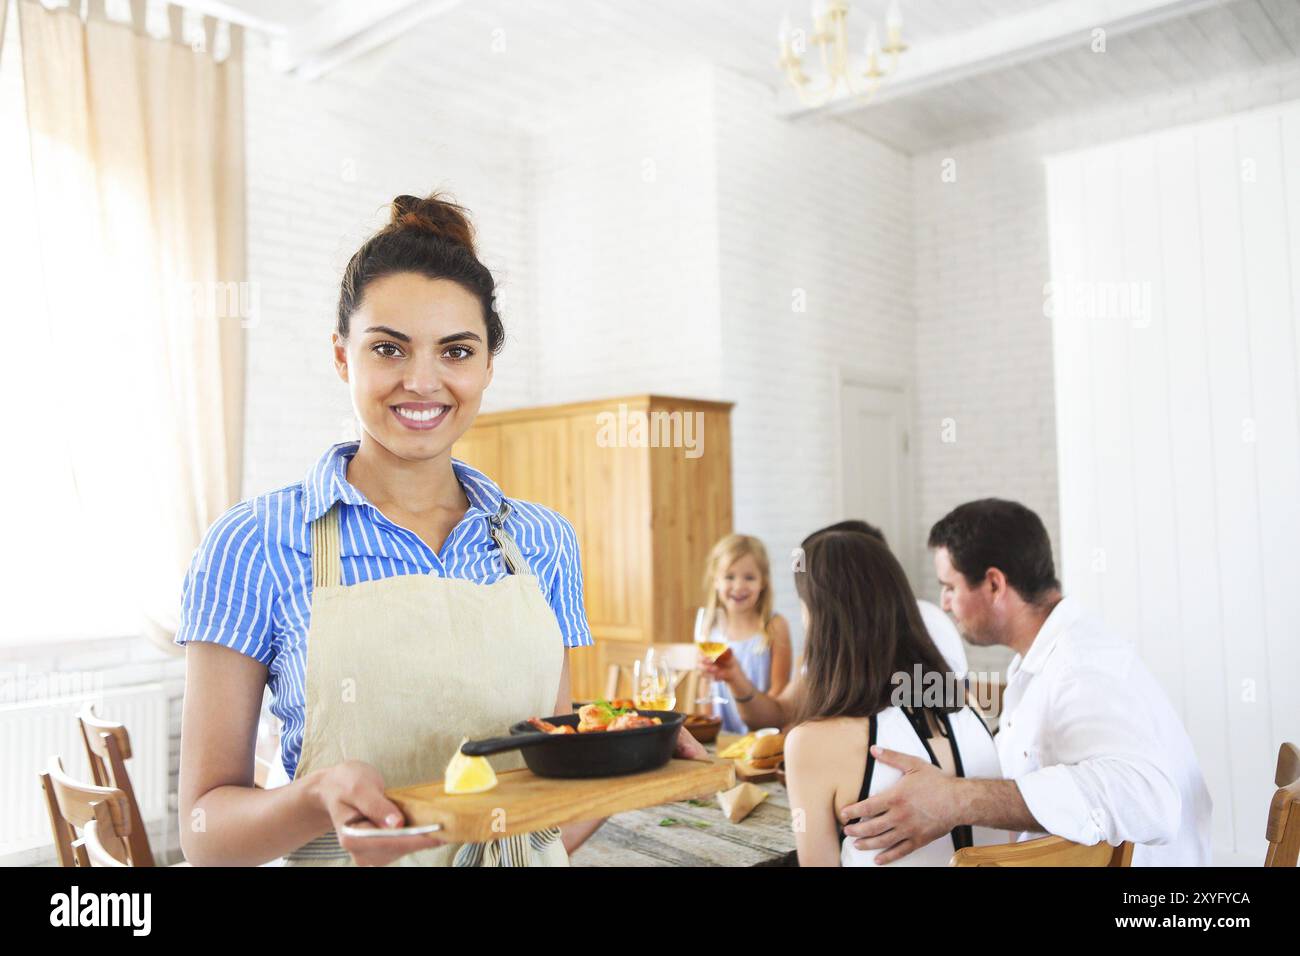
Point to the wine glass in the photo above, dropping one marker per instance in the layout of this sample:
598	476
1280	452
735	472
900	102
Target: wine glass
711	641
653	683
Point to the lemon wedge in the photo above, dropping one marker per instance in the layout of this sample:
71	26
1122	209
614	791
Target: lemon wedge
467	774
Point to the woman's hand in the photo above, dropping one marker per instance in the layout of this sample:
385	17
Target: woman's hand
688	748
726	668
352	793
910	814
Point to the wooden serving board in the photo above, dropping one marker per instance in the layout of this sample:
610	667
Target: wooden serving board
753	774
522	802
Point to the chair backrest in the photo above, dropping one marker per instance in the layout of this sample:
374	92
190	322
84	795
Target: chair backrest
108	746
1045	851
1283	832
73	804
684	659
97	852
613	680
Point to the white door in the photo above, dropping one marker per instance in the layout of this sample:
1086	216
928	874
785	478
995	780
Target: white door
875	465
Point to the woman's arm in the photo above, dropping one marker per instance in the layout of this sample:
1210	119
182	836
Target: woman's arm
224	819
810	784
757	709
779	635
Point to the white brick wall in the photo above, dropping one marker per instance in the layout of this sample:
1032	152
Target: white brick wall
823	209
676	219
626	243
324	158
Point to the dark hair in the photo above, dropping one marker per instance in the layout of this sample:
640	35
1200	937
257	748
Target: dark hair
864	627
431	237
992	533
855	525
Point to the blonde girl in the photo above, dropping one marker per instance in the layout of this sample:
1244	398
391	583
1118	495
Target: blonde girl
738	598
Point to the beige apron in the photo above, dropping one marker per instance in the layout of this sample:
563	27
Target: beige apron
401	670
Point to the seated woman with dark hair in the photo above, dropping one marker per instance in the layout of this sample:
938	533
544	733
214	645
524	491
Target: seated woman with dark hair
874	678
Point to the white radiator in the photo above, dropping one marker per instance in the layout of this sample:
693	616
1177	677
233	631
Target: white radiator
33	731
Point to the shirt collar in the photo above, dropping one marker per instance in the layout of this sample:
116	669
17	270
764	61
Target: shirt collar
1066	613
327	483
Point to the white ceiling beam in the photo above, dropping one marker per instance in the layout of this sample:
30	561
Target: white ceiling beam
346	29
1002	43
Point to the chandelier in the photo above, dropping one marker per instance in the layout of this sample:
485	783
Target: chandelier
841	75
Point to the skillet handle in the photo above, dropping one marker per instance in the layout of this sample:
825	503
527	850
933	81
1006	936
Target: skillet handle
498	745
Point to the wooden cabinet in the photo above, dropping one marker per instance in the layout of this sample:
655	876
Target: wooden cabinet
646	482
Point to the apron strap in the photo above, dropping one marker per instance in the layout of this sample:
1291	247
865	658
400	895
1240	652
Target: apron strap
326	550
514	559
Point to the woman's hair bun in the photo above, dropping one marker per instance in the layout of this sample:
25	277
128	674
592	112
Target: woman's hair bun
430	237
436	216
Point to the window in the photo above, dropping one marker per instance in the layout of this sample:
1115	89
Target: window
62	576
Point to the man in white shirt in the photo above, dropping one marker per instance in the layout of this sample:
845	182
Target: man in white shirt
760	709
1091	747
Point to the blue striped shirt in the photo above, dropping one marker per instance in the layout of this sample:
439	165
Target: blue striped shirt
249	585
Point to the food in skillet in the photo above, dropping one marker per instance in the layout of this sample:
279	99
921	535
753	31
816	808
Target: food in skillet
600	716
547	727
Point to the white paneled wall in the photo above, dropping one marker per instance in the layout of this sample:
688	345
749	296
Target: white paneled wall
1176	320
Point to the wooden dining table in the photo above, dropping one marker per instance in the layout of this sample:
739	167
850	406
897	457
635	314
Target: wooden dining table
695	833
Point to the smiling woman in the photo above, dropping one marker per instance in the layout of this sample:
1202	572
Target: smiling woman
395	601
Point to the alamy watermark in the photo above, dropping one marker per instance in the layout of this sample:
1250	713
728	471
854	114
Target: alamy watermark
1087	299
658	429
21	685
921	689
216	300
75	908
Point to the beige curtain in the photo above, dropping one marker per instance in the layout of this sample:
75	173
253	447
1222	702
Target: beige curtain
138	159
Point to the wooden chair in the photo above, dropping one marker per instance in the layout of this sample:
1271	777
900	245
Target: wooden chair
614	681
72	805
1283	831
108	747
684	658
97	852
1045	851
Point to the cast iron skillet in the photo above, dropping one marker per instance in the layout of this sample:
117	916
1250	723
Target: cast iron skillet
605	753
